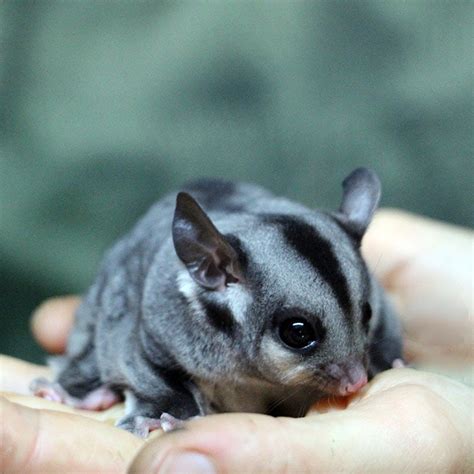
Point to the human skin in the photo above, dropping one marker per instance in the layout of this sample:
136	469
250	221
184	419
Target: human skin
403	420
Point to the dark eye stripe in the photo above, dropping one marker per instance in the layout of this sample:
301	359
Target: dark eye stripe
219	316
305	240
366	315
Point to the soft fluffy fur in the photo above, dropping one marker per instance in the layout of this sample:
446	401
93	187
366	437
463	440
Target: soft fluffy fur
188	341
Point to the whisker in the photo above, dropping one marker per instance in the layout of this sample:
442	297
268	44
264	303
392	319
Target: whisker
283	399
374	270
319	384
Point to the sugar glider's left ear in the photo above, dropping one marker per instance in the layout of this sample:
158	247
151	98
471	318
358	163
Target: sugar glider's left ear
361	197
211	261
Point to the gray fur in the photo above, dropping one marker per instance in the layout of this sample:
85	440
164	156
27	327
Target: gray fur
143	327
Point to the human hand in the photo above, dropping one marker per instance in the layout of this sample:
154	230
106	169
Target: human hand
391	401
42	436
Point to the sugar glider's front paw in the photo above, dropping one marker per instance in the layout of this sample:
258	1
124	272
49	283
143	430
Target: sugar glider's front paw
141	425
170	423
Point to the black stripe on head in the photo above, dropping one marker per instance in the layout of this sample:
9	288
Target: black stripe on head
219	316
366	316
236	244
354	237
318	251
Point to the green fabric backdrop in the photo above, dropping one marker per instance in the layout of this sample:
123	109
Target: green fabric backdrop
106	105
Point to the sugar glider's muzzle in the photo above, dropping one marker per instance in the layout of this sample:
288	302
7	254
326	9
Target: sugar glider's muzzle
349	377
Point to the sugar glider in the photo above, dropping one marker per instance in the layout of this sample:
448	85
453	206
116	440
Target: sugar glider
225	297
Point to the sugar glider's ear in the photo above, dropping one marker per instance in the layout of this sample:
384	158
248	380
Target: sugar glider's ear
361	196
211	261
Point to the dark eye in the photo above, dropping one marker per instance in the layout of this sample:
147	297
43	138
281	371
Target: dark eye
297	333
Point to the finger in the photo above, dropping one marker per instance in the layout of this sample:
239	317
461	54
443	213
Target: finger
391	426
46	441
52	322
385	245
426	266
110	416
257	443
16	375
395	238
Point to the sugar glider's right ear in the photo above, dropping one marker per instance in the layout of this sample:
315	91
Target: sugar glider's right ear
211	261
361	196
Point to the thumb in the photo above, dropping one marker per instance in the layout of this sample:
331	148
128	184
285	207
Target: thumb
226	443
258	443
41	441
52	321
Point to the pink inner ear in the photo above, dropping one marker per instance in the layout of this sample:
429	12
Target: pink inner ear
209	276
231	279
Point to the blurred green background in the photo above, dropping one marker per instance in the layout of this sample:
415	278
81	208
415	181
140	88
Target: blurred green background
107	105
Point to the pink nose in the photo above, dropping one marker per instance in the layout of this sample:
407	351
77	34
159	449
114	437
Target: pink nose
352	376
347	387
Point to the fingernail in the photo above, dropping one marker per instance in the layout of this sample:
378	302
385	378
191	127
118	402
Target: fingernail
187	462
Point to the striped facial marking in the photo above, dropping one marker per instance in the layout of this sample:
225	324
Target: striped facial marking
223	309
307	242
189	289
219	316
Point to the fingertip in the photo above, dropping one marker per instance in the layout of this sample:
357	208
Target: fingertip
223	443
159	453
34	440
51	322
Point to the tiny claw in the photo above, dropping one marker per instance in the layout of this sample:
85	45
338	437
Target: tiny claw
170	423
139	425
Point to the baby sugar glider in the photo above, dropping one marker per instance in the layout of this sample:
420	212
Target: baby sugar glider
224	298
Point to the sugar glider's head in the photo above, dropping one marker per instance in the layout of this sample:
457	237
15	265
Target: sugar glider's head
288	288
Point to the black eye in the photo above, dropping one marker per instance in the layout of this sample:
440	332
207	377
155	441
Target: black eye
297	333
